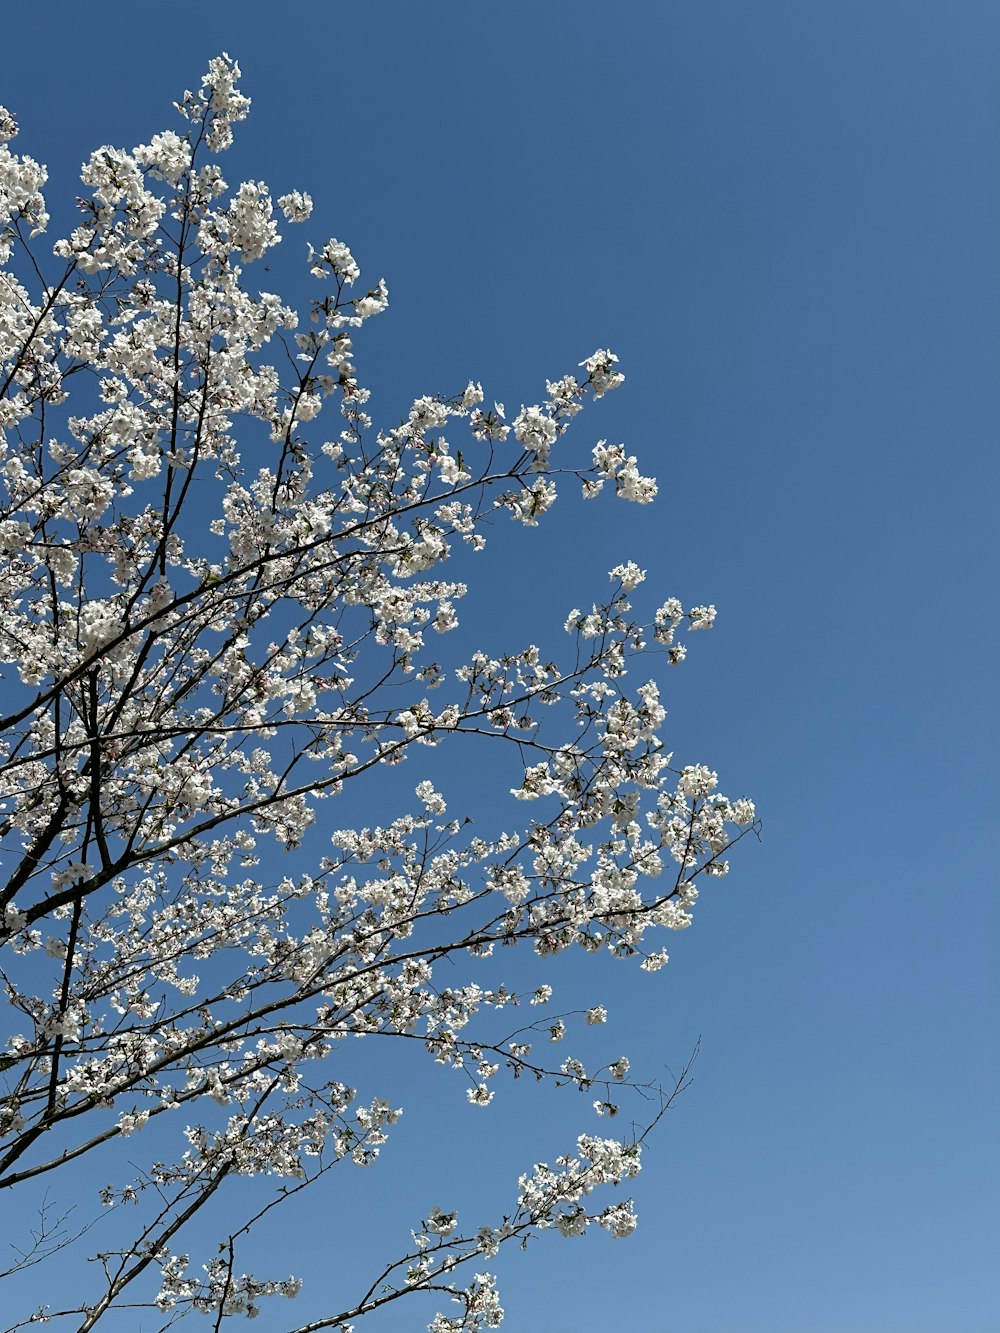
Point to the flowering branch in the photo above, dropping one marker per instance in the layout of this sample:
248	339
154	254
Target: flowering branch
218	611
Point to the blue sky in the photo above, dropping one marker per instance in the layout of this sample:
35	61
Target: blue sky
783	217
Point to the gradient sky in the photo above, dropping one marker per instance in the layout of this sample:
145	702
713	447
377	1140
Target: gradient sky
783	216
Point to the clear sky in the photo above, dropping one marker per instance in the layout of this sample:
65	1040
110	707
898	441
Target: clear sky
783	216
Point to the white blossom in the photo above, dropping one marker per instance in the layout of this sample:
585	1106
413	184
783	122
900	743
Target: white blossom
229	611
296	206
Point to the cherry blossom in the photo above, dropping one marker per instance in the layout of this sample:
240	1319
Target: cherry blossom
227	599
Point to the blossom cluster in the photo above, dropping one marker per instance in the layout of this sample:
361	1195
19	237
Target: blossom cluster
223	601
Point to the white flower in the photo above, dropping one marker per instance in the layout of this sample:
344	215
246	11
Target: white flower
446	618
655	961
248	224
433	800
573	1222
697	781
619	1219
128	1122
334	258
295	206
600	368
536	430
441	1223
13	919
631	486
629	575
99	623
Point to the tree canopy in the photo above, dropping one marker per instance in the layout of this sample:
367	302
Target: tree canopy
224	604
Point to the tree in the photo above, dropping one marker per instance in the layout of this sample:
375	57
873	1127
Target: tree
214	619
